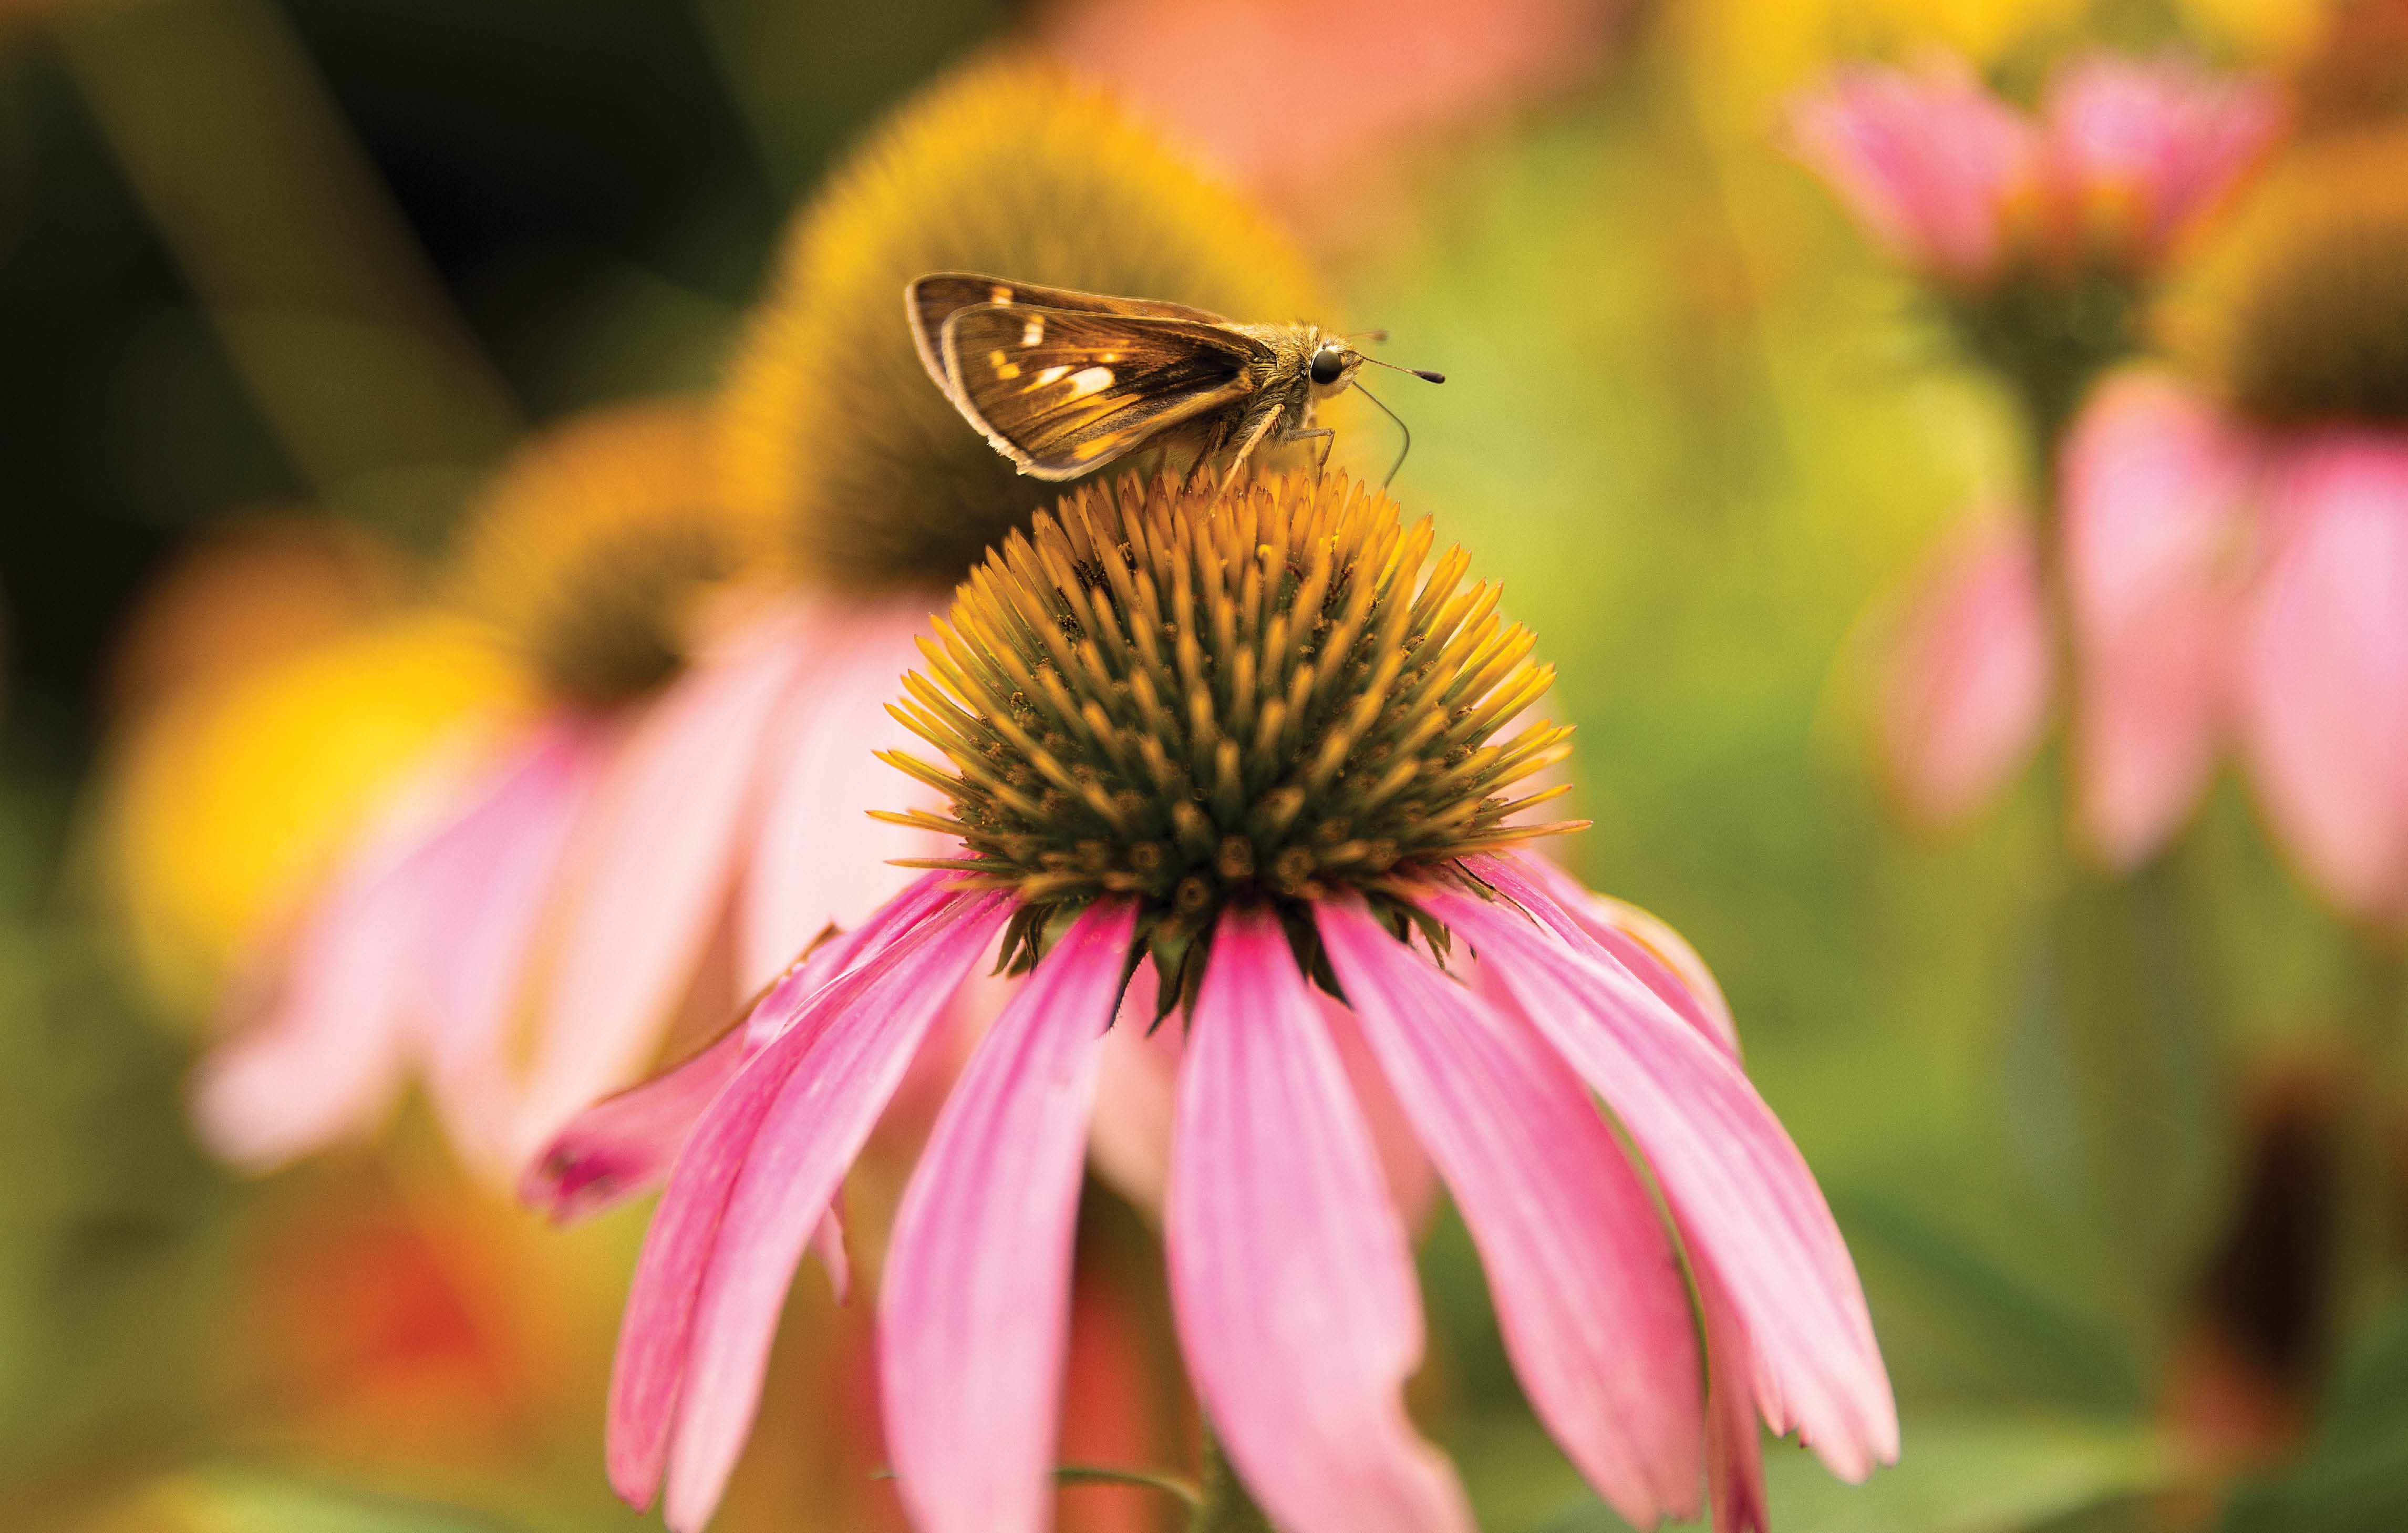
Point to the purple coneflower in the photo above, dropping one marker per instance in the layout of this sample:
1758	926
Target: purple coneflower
1252	746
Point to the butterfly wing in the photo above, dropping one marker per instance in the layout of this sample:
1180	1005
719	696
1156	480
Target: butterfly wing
1059	392
929	301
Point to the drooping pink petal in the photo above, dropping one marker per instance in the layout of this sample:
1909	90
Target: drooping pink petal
1129	1141
1963	687
1642	942
2139	150
490	876
649	1375
818	858
1588	1289
656	862
1746	1204
2154	480
975	1310
624	1143
1929	161
857	1051
1290	1278
2326	675
322	1033
1734	1446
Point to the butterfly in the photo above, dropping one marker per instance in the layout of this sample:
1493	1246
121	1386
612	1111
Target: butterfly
1062	382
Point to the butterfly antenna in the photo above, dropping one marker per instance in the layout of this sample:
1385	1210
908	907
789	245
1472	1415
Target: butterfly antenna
1422	373
1401	426
1377	337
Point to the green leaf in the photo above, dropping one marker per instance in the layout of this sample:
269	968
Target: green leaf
248	1501
1968	1476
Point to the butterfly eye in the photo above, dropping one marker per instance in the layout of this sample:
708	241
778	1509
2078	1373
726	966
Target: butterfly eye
1328	364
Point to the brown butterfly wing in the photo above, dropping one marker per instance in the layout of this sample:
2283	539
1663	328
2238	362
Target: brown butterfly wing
929	301
1060	393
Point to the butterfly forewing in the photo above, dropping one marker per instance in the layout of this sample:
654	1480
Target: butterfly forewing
937	296
1061	391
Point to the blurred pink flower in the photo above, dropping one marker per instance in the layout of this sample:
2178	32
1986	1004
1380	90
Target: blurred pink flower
2123	158
522	922
1291	97
2229	587
1291	1275
1964	674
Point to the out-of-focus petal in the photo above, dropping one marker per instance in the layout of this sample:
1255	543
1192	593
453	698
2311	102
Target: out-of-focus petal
648	1378
1128	1142
1290	1278
1641	942
1747	1203
654	865
2325	679
489	878
2139	150
818	858
321	1060
1927	161
1963	687
975	1310
826	1103
1587	1288
1224	77
2154	480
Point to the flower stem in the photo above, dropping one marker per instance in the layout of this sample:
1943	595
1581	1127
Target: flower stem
1227	1508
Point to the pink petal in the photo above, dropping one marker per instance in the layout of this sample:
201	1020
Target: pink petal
2139	150
656	861
1963	691
655	1333
1639	942
324	1058
624	1143
2154	481
2326	684
490	876
858	1047
1129	1141
818	858
1734	1446
1290	1279
1586	1285
1928	162
975	1312
1746	1204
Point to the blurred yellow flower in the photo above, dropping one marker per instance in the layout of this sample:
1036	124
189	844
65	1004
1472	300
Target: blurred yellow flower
230	799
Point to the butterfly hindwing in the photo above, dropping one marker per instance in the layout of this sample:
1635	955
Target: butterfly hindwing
1060	392
933	299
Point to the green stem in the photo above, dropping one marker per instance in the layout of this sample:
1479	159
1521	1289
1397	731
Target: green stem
1227	1508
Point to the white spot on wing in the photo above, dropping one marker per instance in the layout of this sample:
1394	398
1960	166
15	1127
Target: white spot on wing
1033	333
1051	375
1086	381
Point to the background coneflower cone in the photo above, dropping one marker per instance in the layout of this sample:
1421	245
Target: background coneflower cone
1154	693
834	431
588	550
2302	312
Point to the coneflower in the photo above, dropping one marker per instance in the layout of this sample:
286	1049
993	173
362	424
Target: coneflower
2238	545
1260	748
545	884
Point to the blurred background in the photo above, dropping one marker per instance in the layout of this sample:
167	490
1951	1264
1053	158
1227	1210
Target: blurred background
283	282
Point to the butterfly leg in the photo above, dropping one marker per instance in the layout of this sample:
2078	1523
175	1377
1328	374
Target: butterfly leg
1327	436
1245	449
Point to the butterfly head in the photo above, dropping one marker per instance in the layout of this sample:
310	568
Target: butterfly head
1336	361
